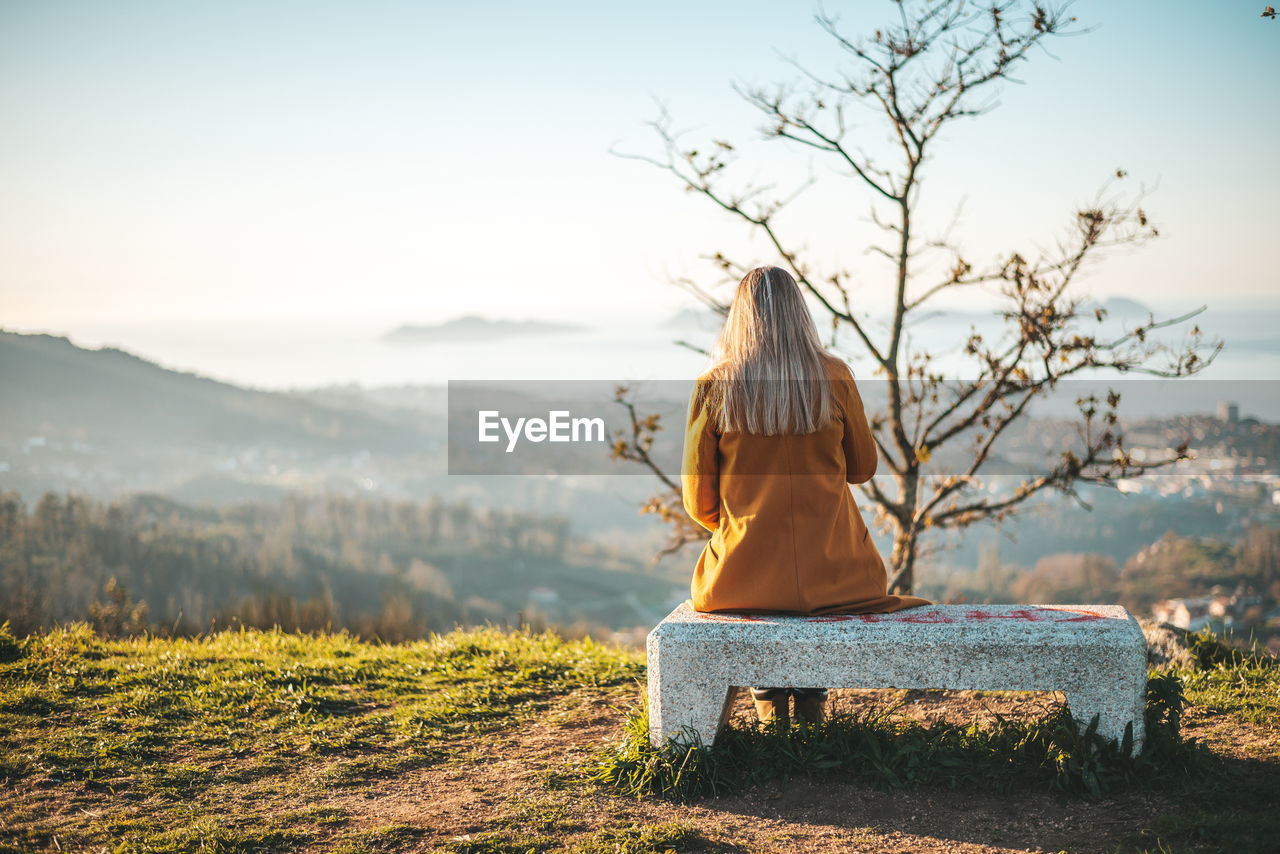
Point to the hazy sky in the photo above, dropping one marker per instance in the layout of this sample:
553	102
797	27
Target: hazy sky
162	162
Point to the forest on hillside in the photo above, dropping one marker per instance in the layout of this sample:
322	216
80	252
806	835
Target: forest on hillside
400	569
386	569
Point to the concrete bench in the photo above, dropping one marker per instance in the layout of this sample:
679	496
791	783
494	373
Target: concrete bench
1095	654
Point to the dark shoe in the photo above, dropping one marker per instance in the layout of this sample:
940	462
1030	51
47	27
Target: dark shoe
772	705
810	703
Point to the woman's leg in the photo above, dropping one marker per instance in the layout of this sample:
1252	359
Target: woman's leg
772	704
810	703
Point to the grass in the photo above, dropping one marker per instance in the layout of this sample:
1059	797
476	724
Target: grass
1244	684
618	838
888	751
174	732
266	741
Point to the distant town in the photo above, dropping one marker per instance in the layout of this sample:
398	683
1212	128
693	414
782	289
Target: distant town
1192	543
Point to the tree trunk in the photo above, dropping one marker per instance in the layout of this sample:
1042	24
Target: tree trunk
903	560
905	533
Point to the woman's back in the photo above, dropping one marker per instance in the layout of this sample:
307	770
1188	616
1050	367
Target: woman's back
786	532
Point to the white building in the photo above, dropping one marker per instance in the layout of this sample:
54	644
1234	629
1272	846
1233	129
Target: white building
1191	614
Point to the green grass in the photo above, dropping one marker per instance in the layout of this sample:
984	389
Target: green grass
1244	684
251	740
176	731
615	838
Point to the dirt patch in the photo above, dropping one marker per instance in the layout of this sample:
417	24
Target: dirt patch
502	781
490	778
1229	736
939	820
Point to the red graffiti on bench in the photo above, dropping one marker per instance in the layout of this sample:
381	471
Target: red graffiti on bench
926	617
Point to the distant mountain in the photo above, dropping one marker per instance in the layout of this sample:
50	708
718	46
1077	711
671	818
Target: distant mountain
472	327
111	399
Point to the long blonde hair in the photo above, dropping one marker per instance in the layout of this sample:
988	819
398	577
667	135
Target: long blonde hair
769	375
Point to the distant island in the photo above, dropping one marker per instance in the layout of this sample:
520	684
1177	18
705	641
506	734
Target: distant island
472	327
1119	308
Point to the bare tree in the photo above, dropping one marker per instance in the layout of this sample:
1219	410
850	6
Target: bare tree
918	75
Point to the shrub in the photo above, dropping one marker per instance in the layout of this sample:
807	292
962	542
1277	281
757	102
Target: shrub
10	647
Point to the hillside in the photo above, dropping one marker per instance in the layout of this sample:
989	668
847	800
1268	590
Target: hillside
106	423
114	399
390	570
487	741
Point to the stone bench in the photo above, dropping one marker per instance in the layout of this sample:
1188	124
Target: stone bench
1095	654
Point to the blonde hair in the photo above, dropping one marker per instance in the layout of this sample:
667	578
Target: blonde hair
770	370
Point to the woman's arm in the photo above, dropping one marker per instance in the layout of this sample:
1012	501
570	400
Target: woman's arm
699	467
860	454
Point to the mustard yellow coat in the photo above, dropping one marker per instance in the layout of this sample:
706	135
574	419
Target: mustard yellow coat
786	534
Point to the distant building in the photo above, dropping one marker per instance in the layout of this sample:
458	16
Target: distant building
1191	614
1220	608
1195	612
1228	412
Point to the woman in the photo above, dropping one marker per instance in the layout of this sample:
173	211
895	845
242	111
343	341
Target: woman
776	432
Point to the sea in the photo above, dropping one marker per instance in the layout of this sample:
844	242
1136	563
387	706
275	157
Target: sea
303	354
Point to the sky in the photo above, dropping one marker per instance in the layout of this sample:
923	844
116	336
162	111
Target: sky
177	166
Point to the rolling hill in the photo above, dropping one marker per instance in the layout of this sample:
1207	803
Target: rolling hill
113	399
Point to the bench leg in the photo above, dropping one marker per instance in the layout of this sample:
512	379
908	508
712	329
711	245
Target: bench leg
679	709
1115	709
